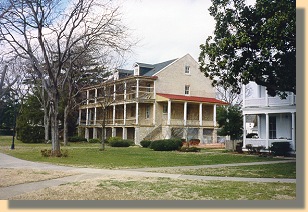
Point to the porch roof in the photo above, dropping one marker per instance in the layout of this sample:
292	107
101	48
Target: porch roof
175	97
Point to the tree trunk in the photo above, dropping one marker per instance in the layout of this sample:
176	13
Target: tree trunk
46	124
65	127
54	110
103	129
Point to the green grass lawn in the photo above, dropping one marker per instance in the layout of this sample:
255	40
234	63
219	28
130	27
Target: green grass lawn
88	155
283	170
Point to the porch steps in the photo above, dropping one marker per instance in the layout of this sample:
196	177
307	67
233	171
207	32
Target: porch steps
156	131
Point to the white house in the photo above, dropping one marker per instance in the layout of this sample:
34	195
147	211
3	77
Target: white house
276	117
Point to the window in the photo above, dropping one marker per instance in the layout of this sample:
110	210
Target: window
147	111
133	111
187	90
272	127
165	108
187	69
148	89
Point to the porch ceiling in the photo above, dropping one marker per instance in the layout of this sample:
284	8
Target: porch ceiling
160	97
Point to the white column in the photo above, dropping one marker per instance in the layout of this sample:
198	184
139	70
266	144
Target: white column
214	116
114	131
266	98
124	121
90	117
124	134
113	114
95	99
293	131
87	134
114	91
185	113
259	125
244	131
79	119
95	111
137	88
125	86
267	129
292	98
137	113
87	116
154	90
200	114
154	113
169	112
244	95
137	136
94	132
88	95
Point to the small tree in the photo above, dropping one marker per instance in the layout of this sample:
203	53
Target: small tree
230	121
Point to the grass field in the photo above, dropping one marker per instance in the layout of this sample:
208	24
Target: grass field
143	188
89	155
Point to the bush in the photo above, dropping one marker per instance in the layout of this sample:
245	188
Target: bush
94	140
49	153
110	139
77	139
166	145
145	143
280	148
190	149
6	132
120	143
194	142
31	134
238	147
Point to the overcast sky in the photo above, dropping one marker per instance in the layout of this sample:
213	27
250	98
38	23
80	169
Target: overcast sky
167	29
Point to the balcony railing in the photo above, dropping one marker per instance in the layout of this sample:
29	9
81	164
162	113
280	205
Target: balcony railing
272	101
263	142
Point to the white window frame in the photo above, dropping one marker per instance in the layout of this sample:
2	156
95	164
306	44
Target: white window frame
187	90
187	69
165	108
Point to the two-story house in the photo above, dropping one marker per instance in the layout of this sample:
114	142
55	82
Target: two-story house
152	101
276	117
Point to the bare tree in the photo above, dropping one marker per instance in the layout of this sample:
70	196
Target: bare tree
8	76
226	94
46	32
87	69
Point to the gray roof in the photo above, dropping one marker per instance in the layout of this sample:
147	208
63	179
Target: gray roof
145	69
158	67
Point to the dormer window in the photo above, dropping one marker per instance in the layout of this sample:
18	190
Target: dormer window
136	70
187	69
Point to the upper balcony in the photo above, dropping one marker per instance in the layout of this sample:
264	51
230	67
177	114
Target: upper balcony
270	101
259	98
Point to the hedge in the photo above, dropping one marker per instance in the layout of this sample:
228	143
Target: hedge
120	143
166	145
145	143
77	139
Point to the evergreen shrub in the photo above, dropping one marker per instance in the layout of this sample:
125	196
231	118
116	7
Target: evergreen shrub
31	134
145	143
120	143
94	140
77	139
280	148
166	145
